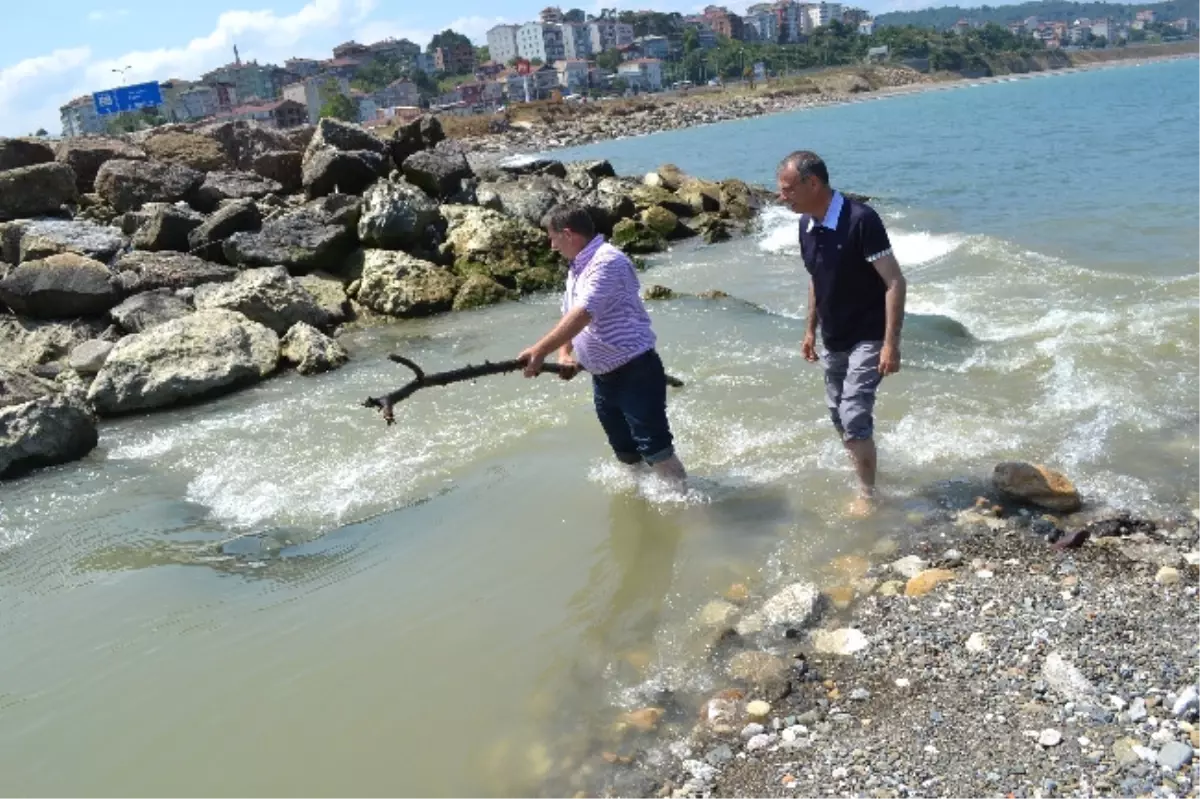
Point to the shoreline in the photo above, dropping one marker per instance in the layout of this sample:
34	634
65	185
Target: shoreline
659	115
973	659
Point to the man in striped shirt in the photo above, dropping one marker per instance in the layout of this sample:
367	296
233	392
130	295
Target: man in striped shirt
605	329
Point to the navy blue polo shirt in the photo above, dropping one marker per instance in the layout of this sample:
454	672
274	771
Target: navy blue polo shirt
838	253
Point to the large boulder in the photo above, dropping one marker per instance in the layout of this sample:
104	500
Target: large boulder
236	217
611	203
647	196
398	215
45	237
29	343
328	170
312	351
636	238
317	236
40	425
334	134
702	195
587	175
86	155
528	198
1037	485
88	358
220	186
243	141
400	284
17	153
60	287
484	241
423	133
205	354
480	290
36	190
167	229
149	308
191	150
145	271
286	167
439	172
329	293
127	185
269	296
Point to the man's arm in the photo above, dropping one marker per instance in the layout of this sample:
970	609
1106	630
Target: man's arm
889	269
809	348
570	326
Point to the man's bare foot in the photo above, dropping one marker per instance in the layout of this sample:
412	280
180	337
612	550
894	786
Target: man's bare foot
861	507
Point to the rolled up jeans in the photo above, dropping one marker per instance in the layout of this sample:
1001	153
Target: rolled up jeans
851	379
631	404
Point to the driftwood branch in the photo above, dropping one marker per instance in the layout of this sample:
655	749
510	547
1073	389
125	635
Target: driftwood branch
422	380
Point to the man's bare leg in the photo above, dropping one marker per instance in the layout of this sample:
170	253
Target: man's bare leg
862	453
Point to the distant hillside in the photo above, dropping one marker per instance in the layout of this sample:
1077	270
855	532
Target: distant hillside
1050	10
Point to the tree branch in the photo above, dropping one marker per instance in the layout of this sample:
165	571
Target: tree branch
469	372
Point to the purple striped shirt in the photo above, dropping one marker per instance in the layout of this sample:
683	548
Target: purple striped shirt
603	280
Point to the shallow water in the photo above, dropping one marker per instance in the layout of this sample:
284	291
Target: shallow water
275	593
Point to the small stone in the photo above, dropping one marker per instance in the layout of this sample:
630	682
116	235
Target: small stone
860	695
719	755
737	592
1145	753
952	558
1050	737
840	596
758	709
845	641
984	574
890	588
1123	752
1167	575
645	719
909	567
1137	710
1187	704
840	773
903	682
976	642
759	742
1175	755
752	729
926	581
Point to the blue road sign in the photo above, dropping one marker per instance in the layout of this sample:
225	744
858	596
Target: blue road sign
127	98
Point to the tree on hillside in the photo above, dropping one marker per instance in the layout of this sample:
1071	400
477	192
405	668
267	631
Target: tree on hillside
575	15
448	39
482	54
41	132
338	106
609	60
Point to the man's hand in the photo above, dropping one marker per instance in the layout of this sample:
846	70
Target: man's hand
532	360
809	348
889	358
569	367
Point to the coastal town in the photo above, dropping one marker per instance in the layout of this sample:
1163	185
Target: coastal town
564	56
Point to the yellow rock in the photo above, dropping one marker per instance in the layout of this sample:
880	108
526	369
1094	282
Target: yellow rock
645	719
738	592
849	566
840	595
1037	484
890	588
758	710
926	581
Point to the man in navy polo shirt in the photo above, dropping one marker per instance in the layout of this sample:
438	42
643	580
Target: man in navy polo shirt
856	294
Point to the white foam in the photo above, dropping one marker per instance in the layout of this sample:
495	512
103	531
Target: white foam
780	233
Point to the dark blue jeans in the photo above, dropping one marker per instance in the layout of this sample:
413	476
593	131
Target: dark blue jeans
631	403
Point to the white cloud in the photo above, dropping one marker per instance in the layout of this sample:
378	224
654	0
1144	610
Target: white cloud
104	15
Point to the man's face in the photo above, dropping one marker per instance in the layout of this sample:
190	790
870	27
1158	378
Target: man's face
797	193
565	241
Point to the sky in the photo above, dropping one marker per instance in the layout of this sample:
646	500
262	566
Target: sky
56	51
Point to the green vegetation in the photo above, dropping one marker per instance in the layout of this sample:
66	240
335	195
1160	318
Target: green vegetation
339	105
448	39
1046	10
130	121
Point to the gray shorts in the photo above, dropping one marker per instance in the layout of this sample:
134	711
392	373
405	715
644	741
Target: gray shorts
850	382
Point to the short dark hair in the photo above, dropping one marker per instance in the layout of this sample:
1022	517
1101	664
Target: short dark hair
806	163
569	217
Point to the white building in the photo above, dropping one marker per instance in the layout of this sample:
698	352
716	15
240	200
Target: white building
866	27
502	43
314	93
645	73
765	25
608	34
821	14
573	74
577	41
79	117
1106	27
541	41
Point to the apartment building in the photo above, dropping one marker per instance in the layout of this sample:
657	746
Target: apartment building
250	79
645	73
577	42
79	117
302	67
723	23
281	114
315	92
573	74
541	41
398	93
502	43
821	14
764	24
608	34
456	60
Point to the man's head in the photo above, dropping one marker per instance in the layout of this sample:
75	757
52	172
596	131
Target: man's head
804	183
570	228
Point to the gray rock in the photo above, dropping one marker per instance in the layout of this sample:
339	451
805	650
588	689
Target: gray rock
752	729
528	198
329	293
220	186
345	137
860	694
268	296
39	431
794	606
719	755
1066	680
236	217
303	241
766	675
1137	710
909	566
759	742
1187	704
329	171
85	155
1175	755
198	356
282	166
140	271
44	237
400	284
423	133
89	357
28	343
398	215
167	229
312	351
1153	553
244	141
127	185
439	173
143	311
36	190
60	287
1050	737
18	153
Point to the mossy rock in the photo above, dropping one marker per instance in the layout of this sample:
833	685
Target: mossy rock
478	291
712	228
634	237
671	176
660	220
649	196
657	292
541	278
484	241
702	195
